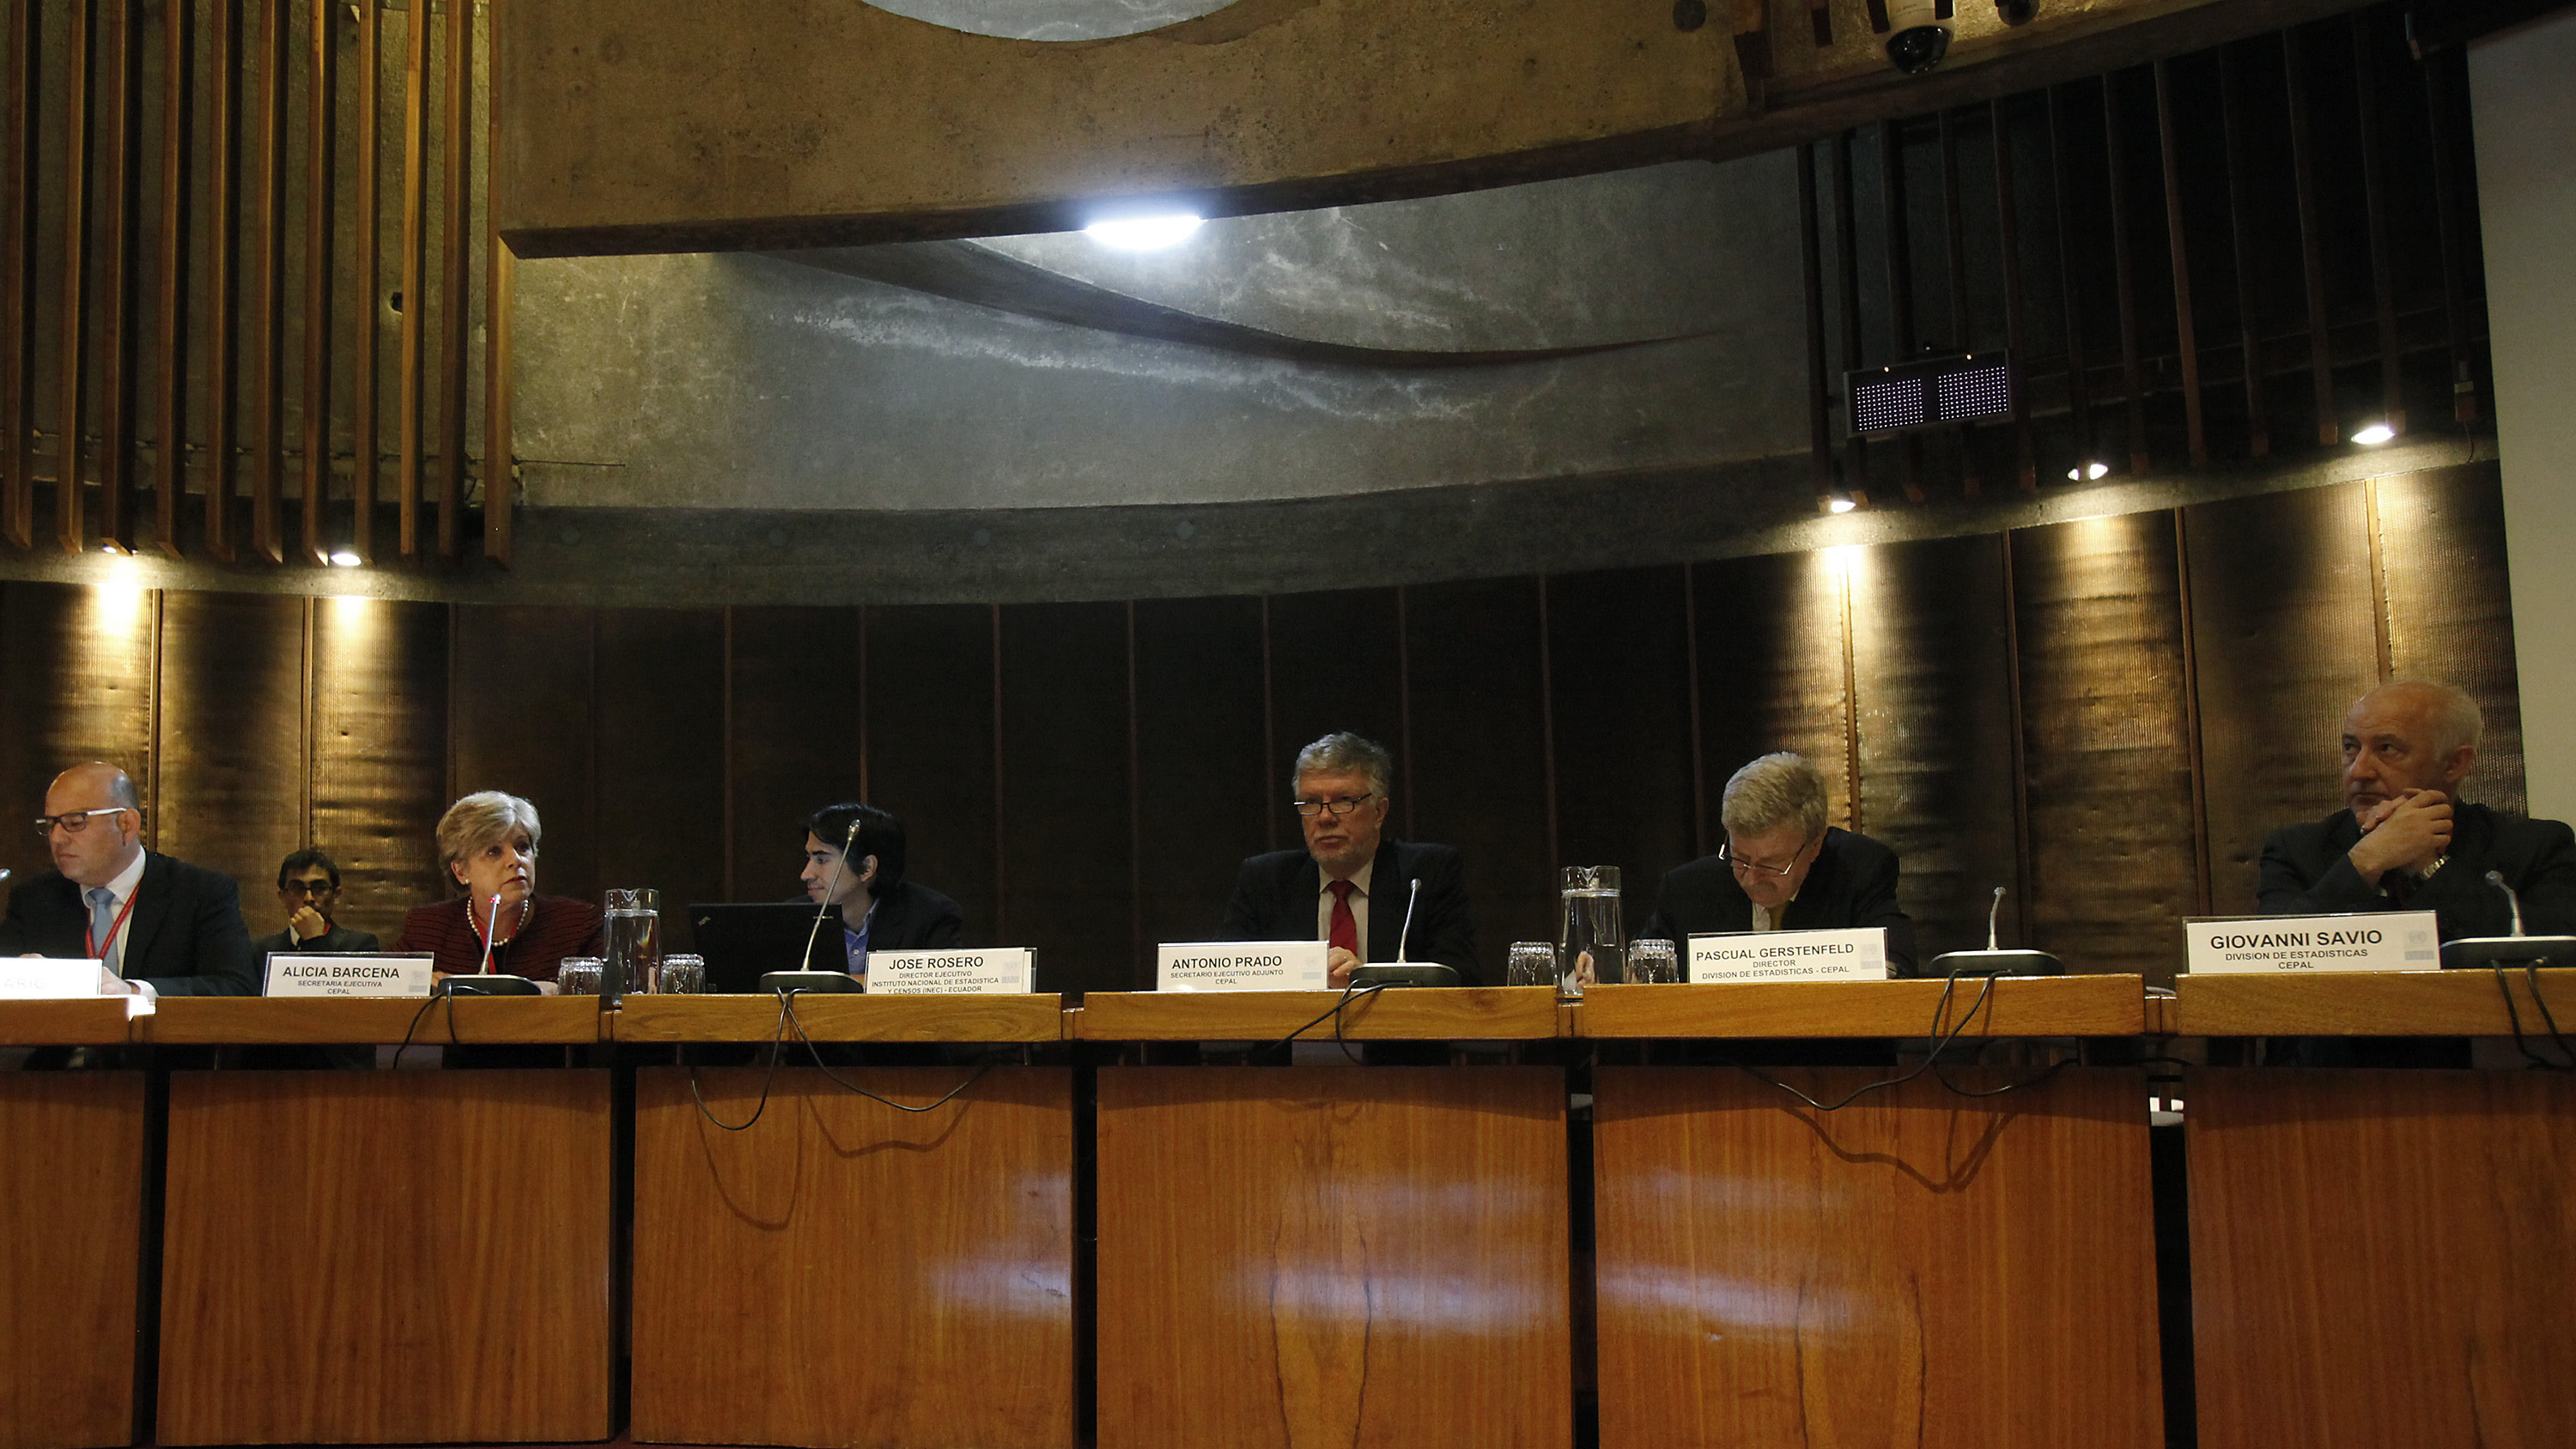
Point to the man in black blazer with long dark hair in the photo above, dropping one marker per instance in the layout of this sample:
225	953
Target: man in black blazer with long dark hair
854	859
1352	883
166	927
1783	869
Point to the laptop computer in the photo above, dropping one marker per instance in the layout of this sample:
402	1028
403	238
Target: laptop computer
743	940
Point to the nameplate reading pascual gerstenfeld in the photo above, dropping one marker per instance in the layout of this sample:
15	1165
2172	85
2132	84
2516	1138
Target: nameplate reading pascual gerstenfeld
1857	954
1240	966
2378	941
381	974
1001	971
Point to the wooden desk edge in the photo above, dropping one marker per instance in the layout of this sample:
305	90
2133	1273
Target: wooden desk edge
2369	1003
2083	1005
381	1020
1033	1018
1465	1013
73	1021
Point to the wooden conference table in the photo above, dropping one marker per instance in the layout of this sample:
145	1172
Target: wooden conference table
1286	1255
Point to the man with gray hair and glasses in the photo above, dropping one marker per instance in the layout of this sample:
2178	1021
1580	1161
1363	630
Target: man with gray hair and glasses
165	927
1782	868
1351	885
2406	841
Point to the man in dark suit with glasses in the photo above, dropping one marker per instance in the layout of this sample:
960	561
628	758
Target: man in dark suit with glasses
1351	885
1783	868
163	926
308	891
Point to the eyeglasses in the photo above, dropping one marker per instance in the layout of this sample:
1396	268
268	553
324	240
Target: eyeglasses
306	887
73	822
1338	805
1758	868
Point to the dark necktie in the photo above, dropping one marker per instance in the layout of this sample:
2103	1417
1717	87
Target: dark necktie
1346	927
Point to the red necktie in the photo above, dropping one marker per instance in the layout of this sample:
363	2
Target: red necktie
1346	927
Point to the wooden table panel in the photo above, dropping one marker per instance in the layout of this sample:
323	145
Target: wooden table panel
71	1235
844	1274
386	1258
2372	1003
1374	1257
433	1022
857	1017
1404	1013
86	1021
2018	1006
1918	1268
2381	1259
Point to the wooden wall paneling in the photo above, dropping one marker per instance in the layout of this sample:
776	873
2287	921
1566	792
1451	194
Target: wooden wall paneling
71	1239
2008	253
120	116
171	289
380	713
366	281
930	745
386	1257
232	746
2281	628
321	169
1847	303
268	285
1935	726
954	1326
1771	672
456	262
19	249
1883	1275
2133	391
1269	1274
2378	200
71	512
1204	784
2312	270
76	684
1618	646
520	704
1335	664
657	723
1480	763
411	363
2450	613
222	216
2107	751
1067	860
799	700
2186	325
1811	262
2378	1258
2245	232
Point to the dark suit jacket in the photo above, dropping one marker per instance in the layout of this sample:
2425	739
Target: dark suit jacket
1852	884
2307	870
1274	900
185	934
338	938
911	916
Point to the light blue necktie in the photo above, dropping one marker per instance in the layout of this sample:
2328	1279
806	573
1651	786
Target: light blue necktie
102	919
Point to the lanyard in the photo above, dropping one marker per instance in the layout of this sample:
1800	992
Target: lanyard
98	948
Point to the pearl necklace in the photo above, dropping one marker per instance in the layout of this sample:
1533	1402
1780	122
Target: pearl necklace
527	904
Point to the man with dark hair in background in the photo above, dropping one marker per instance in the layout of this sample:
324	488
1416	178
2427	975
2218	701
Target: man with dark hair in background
1351	885
854	860
308	891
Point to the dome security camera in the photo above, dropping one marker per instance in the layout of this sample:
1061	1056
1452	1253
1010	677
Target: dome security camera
1918	34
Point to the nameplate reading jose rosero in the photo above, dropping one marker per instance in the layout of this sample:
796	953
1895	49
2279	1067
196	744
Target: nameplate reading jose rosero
1002	971
1858	954
1240	966
2377	941
378	975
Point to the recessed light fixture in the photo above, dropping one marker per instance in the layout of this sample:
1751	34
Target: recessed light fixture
1840	504
347	559
2083	471
2374	435
1143	233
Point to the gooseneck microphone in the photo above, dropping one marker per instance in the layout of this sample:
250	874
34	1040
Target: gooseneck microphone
483	980
1994	960
2515	949
491	923
803	977
1406	935
1401	972
1992	912
2512	902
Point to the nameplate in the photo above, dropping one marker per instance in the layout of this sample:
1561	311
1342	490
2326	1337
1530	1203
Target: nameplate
53	978
357	973
1240	966
2366	941
1002	971
1855	954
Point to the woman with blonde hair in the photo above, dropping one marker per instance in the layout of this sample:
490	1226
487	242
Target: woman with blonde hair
487	845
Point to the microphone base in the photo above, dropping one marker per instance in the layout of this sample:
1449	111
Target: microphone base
488	986
2470	953
1405	973
1995	963
811	983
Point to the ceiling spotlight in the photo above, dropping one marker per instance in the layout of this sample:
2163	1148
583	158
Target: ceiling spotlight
347	559
1143	233
1839	504
2374	435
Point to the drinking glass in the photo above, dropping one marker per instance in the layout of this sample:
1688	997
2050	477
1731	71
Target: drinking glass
1589	943
1531	963
684	975
578	976
1652	961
